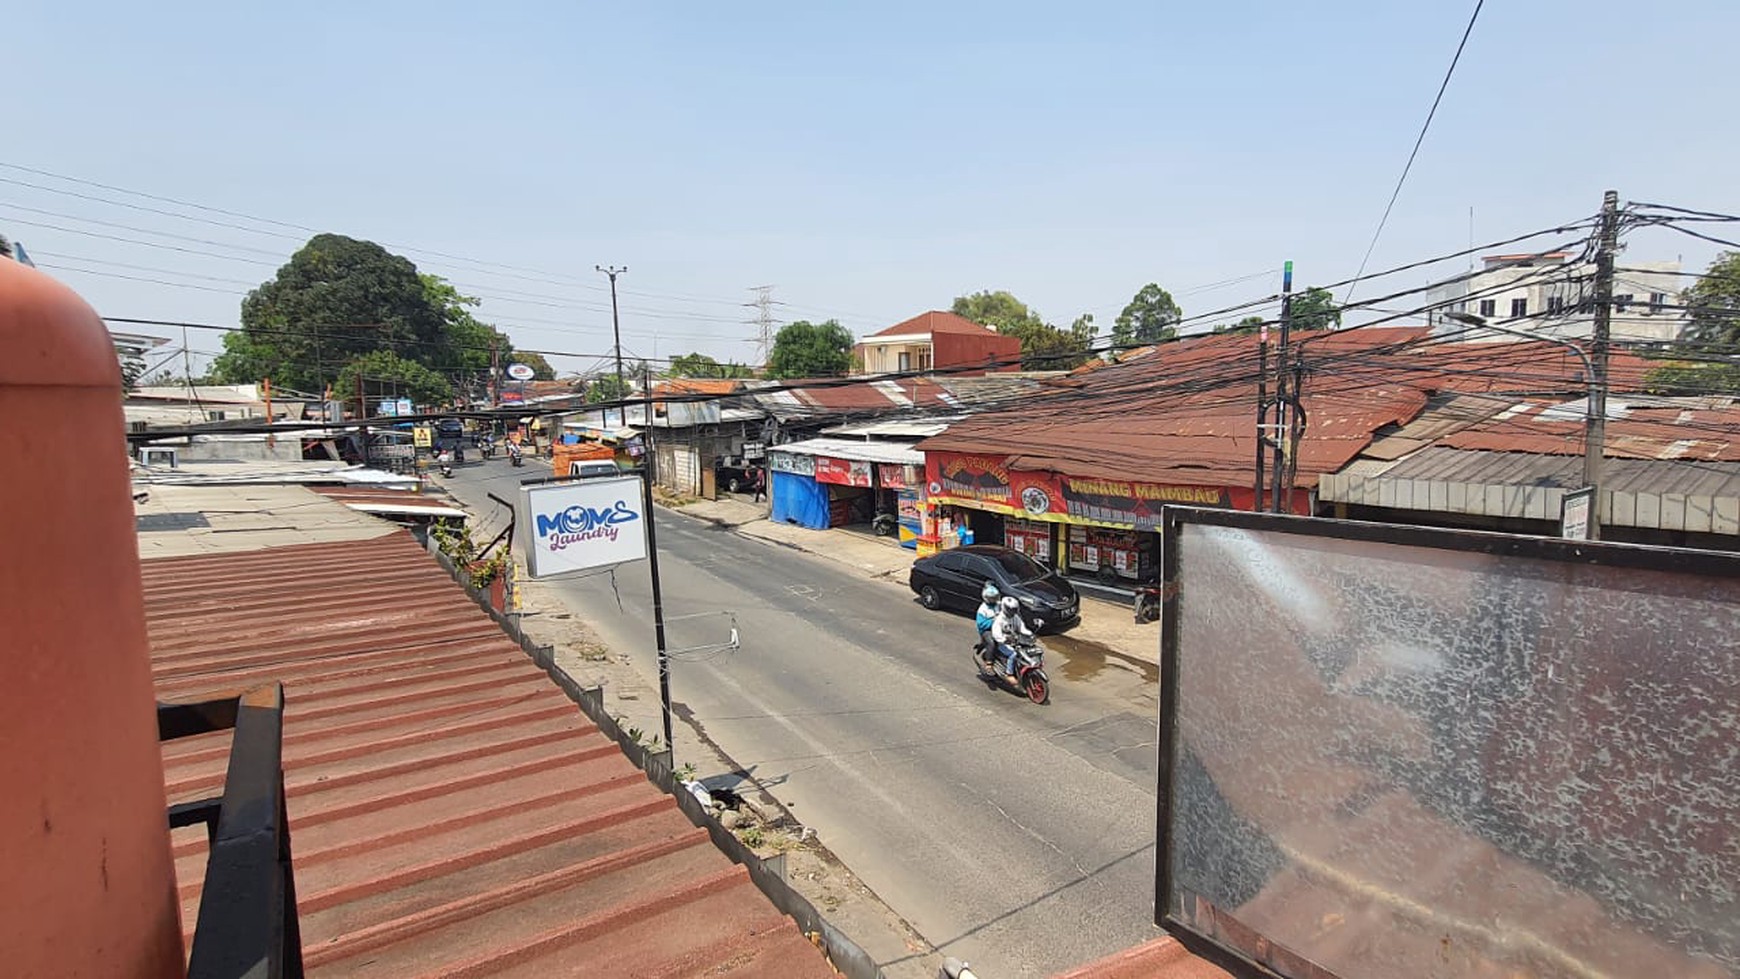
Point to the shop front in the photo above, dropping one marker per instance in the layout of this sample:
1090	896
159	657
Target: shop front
821	483
1105	530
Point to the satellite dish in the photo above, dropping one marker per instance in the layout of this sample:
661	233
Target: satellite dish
521	372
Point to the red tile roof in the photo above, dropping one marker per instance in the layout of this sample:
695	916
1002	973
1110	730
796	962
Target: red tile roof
451	810
935	321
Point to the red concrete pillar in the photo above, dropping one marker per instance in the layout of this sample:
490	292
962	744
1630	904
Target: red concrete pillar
88	885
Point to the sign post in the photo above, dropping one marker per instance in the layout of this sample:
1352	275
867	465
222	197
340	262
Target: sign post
569	525
1576	510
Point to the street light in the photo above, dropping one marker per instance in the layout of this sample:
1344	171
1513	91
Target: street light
1593	450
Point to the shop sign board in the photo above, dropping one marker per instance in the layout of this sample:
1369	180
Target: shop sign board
423	437
842	472
573	526
893	475
1575	510
791	462
754	450
988	483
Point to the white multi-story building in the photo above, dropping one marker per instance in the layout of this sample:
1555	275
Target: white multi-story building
1552	295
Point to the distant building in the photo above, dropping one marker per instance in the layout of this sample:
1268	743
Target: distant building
1513	291
937	340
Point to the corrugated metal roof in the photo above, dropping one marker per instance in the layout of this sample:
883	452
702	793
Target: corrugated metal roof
1184	414
891	452
451	811
1688	478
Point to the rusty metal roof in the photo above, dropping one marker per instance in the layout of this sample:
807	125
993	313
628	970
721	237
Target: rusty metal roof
452	812
1184	412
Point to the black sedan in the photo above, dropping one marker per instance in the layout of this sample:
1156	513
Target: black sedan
954	578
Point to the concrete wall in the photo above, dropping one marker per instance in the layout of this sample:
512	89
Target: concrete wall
1633	320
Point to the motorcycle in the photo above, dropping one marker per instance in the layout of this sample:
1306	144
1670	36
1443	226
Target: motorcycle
516	455
1147	604
1029	673
884	524
445	461
486	445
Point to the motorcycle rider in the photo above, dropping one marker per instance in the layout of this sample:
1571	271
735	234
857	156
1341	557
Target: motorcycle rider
986	615
1006	626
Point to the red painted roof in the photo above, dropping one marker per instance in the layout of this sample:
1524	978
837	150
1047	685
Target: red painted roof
881	396
935	321
452	812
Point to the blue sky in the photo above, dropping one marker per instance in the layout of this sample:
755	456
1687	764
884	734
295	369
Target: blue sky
870	161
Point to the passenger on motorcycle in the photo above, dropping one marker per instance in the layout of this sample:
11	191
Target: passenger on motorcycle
987	613
1006	626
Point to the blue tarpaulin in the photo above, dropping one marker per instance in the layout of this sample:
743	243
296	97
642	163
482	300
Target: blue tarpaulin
800	500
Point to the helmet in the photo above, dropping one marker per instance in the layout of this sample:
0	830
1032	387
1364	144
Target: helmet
989	595
1009	605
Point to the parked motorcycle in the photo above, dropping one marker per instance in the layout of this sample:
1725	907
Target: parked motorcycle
1147	604
885	524
1029	673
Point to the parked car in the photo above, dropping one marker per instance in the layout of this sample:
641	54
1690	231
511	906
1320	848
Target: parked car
954	578
733	474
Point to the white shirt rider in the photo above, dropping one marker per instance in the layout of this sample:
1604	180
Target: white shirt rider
1006	626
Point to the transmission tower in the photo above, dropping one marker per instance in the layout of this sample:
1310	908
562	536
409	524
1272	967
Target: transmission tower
763	305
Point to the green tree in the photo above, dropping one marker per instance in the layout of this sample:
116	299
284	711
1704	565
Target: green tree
1688	378
336	299
999	310
1043	346
384	373
805	349
701	365
605	387
1150	317
1713	303
1249	324
1315	309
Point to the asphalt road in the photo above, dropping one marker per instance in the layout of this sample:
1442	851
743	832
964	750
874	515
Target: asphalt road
1018	837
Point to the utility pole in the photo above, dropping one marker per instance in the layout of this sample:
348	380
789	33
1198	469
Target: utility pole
494	372
763	304
1281	414
616	332
1595	424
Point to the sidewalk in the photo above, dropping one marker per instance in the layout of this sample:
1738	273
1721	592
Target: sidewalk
1104	624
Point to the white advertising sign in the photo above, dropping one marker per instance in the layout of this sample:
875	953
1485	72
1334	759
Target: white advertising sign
791	462
521	372
566	527
1575	511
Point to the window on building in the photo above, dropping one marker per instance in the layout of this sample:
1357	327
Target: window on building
1656	301
1622	302
924	360
1519	307
1555	304
905	361
1489	307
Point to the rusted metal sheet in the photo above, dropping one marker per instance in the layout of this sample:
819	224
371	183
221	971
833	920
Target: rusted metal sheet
453	811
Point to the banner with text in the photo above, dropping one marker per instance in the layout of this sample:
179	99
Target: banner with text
988	483
842	472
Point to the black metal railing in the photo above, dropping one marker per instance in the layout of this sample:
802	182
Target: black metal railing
247	912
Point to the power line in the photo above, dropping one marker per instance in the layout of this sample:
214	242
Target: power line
1418	140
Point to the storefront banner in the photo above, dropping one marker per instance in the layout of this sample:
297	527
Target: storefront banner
791	462
842	472
893	475
987	483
